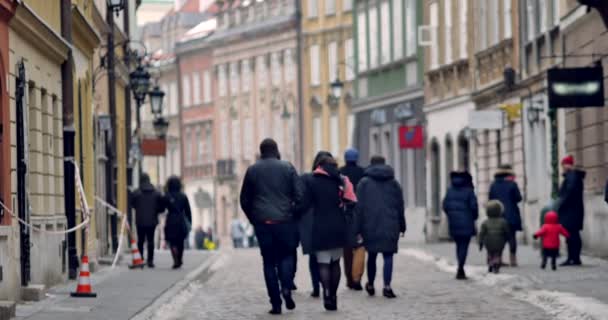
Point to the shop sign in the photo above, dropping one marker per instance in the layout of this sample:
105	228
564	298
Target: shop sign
154	147
411	137
576	87
486	120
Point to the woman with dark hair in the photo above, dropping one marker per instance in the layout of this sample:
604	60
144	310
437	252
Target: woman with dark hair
305	230
329	194
179	219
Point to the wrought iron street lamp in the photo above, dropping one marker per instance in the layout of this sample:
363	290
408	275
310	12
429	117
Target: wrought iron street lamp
161	126
139	80
336	89
115	5
156	100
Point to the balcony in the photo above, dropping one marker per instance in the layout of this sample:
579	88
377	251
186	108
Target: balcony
226	169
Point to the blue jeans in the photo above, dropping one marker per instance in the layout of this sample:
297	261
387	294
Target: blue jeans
277	247
388	268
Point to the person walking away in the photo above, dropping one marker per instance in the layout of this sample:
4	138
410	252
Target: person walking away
460	206
237	231
571	209
199	238
505	189
549	233
494	234
305	230
380	216
178	221
330	195
353	272
147	202
269	195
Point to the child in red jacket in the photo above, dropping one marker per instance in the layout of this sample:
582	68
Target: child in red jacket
550	232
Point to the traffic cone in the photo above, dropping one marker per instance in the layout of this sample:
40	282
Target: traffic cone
84	290
138	262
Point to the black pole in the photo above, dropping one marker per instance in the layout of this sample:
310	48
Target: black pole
128	116
554	153
300	110
112	144
81	158
67	91
140	160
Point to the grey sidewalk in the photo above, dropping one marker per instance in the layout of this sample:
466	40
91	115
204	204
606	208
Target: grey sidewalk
590	280
121	293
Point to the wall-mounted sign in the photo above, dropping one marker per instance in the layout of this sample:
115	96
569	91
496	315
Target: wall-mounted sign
378	117
411	137
486	120
404	111
576	87
154	147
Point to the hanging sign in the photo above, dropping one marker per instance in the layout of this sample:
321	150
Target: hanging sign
154	147
576	87
411	137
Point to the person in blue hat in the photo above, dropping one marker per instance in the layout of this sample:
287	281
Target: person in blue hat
353	268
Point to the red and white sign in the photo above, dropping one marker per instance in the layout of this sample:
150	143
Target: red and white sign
411	137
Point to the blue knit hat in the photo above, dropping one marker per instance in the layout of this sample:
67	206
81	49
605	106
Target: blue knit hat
351	155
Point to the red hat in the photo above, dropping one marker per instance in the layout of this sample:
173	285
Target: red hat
568	160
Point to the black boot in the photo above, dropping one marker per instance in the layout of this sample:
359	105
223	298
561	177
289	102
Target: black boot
276	310
328	301
370	289
388	293
289	303
460	275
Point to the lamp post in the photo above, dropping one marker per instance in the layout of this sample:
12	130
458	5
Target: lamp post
139	81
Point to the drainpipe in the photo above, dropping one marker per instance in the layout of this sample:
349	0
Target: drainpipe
110	188
300	112
128	132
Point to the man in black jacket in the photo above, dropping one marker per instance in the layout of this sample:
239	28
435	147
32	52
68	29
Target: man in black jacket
354	173
147	202
270	193
571	209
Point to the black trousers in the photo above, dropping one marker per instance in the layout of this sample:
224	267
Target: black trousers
348	265
550	253
146	234
177	252
462	249
575	246
513	241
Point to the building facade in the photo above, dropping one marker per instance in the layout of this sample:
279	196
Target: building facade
389	92
328	55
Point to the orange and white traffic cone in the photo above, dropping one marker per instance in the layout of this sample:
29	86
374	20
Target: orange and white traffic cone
138	262
84	290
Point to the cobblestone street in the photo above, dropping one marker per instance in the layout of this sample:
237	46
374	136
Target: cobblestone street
236	290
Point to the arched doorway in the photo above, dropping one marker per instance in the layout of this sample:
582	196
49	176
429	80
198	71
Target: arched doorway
464	157
435	178
449	158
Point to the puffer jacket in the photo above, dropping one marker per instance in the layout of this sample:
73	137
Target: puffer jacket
460	206
571	208
148	203
494	232
380	212
550	231
505	190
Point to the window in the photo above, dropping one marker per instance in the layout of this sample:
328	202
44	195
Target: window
350	59
200	149
225	139
166	109
236	139
508	32
315	77
330	7
542	14
492	15
234	78
196	88
412	29
434	22
373	37
332	61
207	87
173	98
362	41
447	13
385	33
347	5
316	134
397	29
530	21
483	32
246	75
186	91
188	151
464	29
278	130
290	73
261	68
221	75
248	142
556	12
313	8
334	134
275	68
350	123
208	144
262	127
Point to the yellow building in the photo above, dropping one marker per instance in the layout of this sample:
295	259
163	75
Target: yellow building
328	54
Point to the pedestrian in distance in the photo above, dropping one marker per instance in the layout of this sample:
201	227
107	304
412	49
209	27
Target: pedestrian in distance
306	218
460	206
270	193
237	232
380	216
571	209
179	220
354	252
148	204
494	234
549	233
331	196
505	189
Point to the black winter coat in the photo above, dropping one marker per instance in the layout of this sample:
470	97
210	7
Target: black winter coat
271	189
460	205
306	218
148	203
353	172
507	192
571	208
178	212
329	228
380	210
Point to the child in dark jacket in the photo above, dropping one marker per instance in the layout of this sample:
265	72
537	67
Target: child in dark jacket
549	233
494	234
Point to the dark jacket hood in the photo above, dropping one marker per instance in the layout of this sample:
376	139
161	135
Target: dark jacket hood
380	172
147	187
459	179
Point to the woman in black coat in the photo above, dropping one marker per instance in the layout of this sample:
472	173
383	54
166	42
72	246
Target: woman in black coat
305	231
460	206
178	221
325	193
505	189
